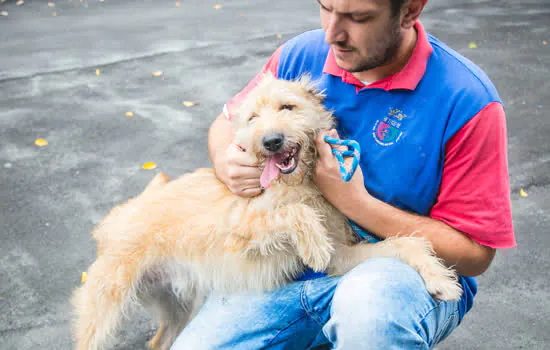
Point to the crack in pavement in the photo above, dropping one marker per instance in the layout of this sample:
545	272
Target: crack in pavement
103	65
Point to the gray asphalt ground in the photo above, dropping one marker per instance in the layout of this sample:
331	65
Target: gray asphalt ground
52	196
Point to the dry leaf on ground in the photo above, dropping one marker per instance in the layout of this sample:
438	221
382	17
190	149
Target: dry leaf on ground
190	103
41	142
149	166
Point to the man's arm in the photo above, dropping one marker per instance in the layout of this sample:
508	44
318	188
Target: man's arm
468	257
383	220
472	215
233	166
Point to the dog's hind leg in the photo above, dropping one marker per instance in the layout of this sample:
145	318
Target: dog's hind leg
156	293
99	303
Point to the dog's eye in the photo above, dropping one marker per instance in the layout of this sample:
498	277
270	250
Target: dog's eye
252	117
288	107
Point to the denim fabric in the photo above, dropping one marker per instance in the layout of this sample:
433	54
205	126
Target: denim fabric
381	304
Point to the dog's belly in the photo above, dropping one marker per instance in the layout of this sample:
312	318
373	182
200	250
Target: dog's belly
227	274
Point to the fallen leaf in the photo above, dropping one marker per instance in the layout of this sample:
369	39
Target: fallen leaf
279	36
84	277
472	45
523	193
217	6
54	14
4	13
97	72
41	142
157	73
51	4
20	2
129	114
189	103
178	4
149	166
544	42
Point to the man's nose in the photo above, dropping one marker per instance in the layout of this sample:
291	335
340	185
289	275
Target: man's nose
335	32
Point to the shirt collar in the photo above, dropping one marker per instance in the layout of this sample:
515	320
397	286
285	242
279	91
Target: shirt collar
408	78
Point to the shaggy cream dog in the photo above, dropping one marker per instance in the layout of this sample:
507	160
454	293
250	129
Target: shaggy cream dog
177	241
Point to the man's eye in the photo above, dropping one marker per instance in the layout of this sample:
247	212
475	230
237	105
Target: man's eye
359	19
288	107
252	117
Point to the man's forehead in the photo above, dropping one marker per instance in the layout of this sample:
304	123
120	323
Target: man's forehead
354	6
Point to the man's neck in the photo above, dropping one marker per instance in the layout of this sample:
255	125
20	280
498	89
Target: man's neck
396	64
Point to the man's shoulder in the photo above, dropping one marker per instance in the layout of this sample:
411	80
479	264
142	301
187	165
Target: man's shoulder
459	73
305	53
310	39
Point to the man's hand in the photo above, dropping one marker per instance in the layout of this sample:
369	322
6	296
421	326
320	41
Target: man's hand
328	178
239	171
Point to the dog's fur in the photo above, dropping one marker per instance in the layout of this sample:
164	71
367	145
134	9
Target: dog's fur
179	240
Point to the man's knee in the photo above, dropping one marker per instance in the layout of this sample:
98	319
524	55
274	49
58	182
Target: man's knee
373	301
378	281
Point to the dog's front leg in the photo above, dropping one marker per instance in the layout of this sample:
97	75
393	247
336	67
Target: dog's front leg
304	227
441	281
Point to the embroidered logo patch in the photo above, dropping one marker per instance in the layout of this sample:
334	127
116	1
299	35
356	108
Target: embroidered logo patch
387	131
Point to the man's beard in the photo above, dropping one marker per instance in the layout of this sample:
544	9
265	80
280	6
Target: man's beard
385	50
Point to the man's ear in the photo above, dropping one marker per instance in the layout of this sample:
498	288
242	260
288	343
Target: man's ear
411	11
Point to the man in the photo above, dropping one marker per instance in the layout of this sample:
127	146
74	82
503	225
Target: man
434	161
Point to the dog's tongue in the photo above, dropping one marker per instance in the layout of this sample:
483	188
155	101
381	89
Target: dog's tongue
270	172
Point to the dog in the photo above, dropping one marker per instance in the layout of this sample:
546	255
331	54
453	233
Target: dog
179	240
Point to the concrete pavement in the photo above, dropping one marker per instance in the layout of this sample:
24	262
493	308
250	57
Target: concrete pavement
52	196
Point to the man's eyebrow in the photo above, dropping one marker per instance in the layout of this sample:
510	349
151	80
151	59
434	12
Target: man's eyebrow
353	13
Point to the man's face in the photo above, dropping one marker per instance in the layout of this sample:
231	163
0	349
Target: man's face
363	34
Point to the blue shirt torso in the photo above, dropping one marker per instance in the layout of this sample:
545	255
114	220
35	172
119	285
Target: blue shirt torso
403	132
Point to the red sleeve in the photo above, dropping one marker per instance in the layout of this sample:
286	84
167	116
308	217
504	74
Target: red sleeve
474	196
271	66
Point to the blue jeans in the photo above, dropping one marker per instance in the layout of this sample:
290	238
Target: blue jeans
381	304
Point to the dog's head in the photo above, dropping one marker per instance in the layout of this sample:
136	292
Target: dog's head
278	122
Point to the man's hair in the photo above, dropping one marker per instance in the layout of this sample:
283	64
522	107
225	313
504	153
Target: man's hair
396	6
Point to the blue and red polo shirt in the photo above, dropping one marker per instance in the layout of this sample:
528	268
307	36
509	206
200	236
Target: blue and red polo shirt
433	136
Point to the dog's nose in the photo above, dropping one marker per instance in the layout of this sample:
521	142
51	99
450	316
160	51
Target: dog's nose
273	142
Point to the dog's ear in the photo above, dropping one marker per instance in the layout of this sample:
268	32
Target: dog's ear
311	87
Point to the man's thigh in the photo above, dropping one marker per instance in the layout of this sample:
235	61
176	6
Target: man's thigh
355	309
281	319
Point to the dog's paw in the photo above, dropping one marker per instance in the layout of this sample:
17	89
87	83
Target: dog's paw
318	262
441	282
317	256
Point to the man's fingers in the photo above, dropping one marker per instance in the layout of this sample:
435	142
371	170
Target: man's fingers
237	156
323	147
250	192
243	173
